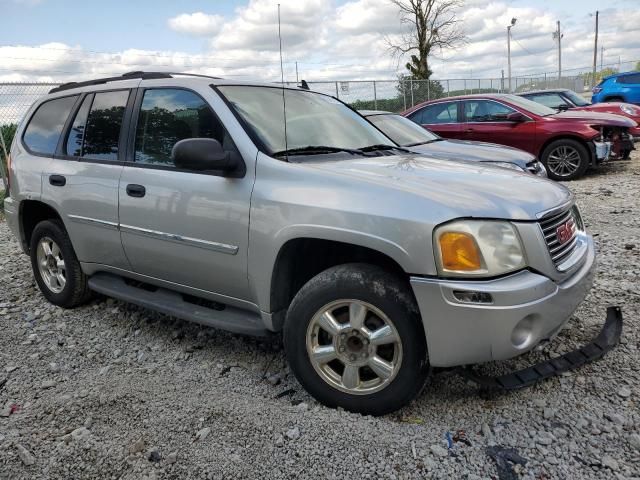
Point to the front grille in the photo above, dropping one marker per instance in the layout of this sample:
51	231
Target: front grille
561	251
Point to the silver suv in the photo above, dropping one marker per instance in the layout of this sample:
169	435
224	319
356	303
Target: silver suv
258	209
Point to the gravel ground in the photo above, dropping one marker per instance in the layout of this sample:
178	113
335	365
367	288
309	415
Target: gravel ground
113	391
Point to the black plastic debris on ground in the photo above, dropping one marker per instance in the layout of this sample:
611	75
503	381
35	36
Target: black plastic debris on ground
505	459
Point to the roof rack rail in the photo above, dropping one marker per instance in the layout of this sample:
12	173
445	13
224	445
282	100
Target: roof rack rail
125	76
101	81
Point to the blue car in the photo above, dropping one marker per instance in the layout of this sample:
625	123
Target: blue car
621	87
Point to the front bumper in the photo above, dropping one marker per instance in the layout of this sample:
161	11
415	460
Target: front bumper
527	308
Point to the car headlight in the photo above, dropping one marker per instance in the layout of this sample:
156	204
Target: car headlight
629	110
512	166
478	248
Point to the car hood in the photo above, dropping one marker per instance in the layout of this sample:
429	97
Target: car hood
450	189
473	151
597	118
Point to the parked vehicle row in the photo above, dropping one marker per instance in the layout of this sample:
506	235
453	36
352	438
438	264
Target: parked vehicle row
266	210
567	142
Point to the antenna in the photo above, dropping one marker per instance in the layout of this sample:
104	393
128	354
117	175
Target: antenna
284	103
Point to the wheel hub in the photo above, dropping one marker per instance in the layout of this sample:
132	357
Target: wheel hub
353	348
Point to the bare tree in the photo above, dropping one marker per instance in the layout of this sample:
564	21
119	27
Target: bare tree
432	24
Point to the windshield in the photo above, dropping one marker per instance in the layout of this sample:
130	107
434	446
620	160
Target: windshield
313	119
402	130
577	100
530	105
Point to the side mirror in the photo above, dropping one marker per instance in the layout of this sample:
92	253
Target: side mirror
202	154
516	117
562	108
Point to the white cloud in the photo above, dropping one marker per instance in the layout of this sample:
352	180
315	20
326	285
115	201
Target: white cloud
345	42
199	24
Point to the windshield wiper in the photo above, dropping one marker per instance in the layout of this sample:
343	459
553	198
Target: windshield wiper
439	139
382	146
316	150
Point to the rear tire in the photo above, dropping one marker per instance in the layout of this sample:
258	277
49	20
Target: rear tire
55	266
363	324
565	159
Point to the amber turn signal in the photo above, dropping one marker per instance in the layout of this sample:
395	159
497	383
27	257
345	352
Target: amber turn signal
459	252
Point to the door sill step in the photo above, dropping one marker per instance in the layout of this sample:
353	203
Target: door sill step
173	303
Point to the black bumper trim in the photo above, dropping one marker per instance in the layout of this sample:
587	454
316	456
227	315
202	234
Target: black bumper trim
607	339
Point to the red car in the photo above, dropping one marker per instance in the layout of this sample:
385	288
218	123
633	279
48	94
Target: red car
567	143
565	99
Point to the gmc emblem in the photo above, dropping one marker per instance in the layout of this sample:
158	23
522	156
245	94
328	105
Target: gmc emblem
564	232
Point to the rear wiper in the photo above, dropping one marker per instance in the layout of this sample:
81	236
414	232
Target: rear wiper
382	146
315	150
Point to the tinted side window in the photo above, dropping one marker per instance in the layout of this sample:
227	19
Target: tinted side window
169	115
416	116
102	132
44	129
76	133
441	113
485	111
635	78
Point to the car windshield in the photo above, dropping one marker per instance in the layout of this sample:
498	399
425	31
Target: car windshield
313	120
576	99
402	130
530	105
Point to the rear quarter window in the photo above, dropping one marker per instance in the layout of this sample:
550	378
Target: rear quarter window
45	126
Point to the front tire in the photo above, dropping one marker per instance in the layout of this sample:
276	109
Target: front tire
565	159
55	266
354	339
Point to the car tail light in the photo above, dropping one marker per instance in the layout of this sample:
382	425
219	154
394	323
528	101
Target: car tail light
596	89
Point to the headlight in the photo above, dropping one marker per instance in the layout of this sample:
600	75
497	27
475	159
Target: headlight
512	166
629	110
480	248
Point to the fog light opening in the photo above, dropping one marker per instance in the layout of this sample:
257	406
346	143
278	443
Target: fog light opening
466	296
522	334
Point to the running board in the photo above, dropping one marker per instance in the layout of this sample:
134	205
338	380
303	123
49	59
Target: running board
173	303
608	338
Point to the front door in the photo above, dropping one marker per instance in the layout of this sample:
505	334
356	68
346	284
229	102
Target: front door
189	228
485	121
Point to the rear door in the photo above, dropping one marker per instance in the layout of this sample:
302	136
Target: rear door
485	121
629	86
442	118
82	181
186	227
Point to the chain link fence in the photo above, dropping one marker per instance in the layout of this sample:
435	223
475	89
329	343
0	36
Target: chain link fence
391	95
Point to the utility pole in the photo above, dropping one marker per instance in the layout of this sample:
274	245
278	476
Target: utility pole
601	56
595	54
297	71
513	22
558	36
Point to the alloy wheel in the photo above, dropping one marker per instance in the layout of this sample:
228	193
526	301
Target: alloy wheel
564	161
51	265
354	347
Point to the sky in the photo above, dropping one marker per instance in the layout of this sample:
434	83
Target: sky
62	40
